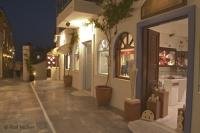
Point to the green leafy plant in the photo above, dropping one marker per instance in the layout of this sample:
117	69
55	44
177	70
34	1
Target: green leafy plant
112	13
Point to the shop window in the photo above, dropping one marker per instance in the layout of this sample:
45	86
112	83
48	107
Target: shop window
125	48
167	57
76	57
103	52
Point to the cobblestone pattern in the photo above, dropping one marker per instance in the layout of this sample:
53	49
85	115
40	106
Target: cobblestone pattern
19	109
71	113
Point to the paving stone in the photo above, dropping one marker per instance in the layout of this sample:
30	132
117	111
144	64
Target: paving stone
72	111
19	110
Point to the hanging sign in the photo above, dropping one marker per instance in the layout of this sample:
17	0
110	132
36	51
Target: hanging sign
154	7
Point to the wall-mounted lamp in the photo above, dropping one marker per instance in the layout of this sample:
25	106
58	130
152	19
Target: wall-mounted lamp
67	24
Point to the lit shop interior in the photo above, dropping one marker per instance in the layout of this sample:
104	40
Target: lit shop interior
172	74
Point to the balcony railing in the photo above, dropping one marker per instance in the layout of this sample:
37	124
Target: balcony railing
61	4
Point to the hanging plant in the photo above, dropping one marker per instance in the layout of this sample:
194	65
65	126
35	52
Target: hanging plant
74	39
112	13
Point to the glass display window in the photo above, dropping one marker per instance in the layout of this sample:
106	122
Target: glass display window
103	53
167	57
125	51
125	57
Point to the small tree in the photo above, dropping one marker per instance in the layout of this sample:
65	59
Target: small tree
112	13
74	40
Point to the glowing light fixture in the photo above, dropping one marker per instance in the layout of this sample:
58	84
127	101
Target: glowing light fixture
34	73
7	56
79	22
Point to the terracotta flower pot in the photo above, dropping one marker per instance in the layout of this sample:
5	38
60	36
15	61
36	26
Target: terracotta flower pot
103	95
68	81
132	109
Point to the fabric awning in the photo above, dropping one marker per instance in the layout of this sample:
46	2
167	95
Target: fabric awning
64	49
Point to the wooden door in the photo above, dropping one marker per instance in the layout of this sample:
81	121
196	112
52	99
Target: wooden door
151	41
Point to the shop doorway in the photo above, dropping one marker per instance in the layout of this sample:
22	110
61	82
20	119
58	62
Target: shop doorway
167	66
161	64
87	65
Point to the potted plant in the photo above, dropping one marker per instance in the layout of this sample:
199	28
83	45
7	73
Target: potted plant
111	14
74	40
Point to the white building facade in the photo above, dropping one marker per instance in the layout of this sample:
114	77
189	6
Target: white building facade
88	60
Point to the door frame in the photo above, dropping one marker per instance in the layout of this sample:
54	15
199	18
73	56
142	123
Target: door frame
89	42
177	14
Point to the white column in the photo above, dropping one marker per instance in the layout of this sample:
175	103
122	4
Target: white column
26	56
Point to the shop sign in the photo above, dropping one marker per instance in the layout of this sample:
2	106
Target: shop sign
154	7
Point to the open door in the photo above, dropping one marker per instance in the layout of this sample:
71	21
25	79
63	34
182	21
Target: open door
150	62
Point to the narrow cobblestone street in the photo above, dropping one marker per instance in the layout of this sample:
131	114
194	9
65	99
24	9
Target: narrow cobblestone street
69	110
73	111
19	109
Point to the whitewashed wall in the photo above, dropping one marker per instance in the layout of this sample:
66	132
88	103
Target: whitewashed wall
55	72
121	87
173	42
61	66
85	34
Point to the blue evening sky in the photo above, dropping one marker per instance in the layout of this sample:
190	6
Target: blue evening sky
31	21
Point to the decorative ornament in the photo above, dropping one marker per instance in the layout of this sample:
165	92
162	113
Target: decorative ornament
148	115
180	120
153	98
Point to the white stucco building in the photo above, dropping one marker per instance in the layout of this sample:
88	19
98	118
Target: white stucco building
88	59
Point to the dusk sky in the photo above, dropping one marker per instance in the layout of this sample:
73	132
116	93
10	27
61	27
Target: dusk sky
31	21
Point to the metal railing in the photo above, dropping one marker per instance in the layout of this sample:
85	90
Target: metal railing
61	4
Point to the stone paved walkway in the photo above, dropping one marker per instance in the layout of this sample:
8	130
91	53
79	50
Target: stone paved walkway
72	111
19	109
